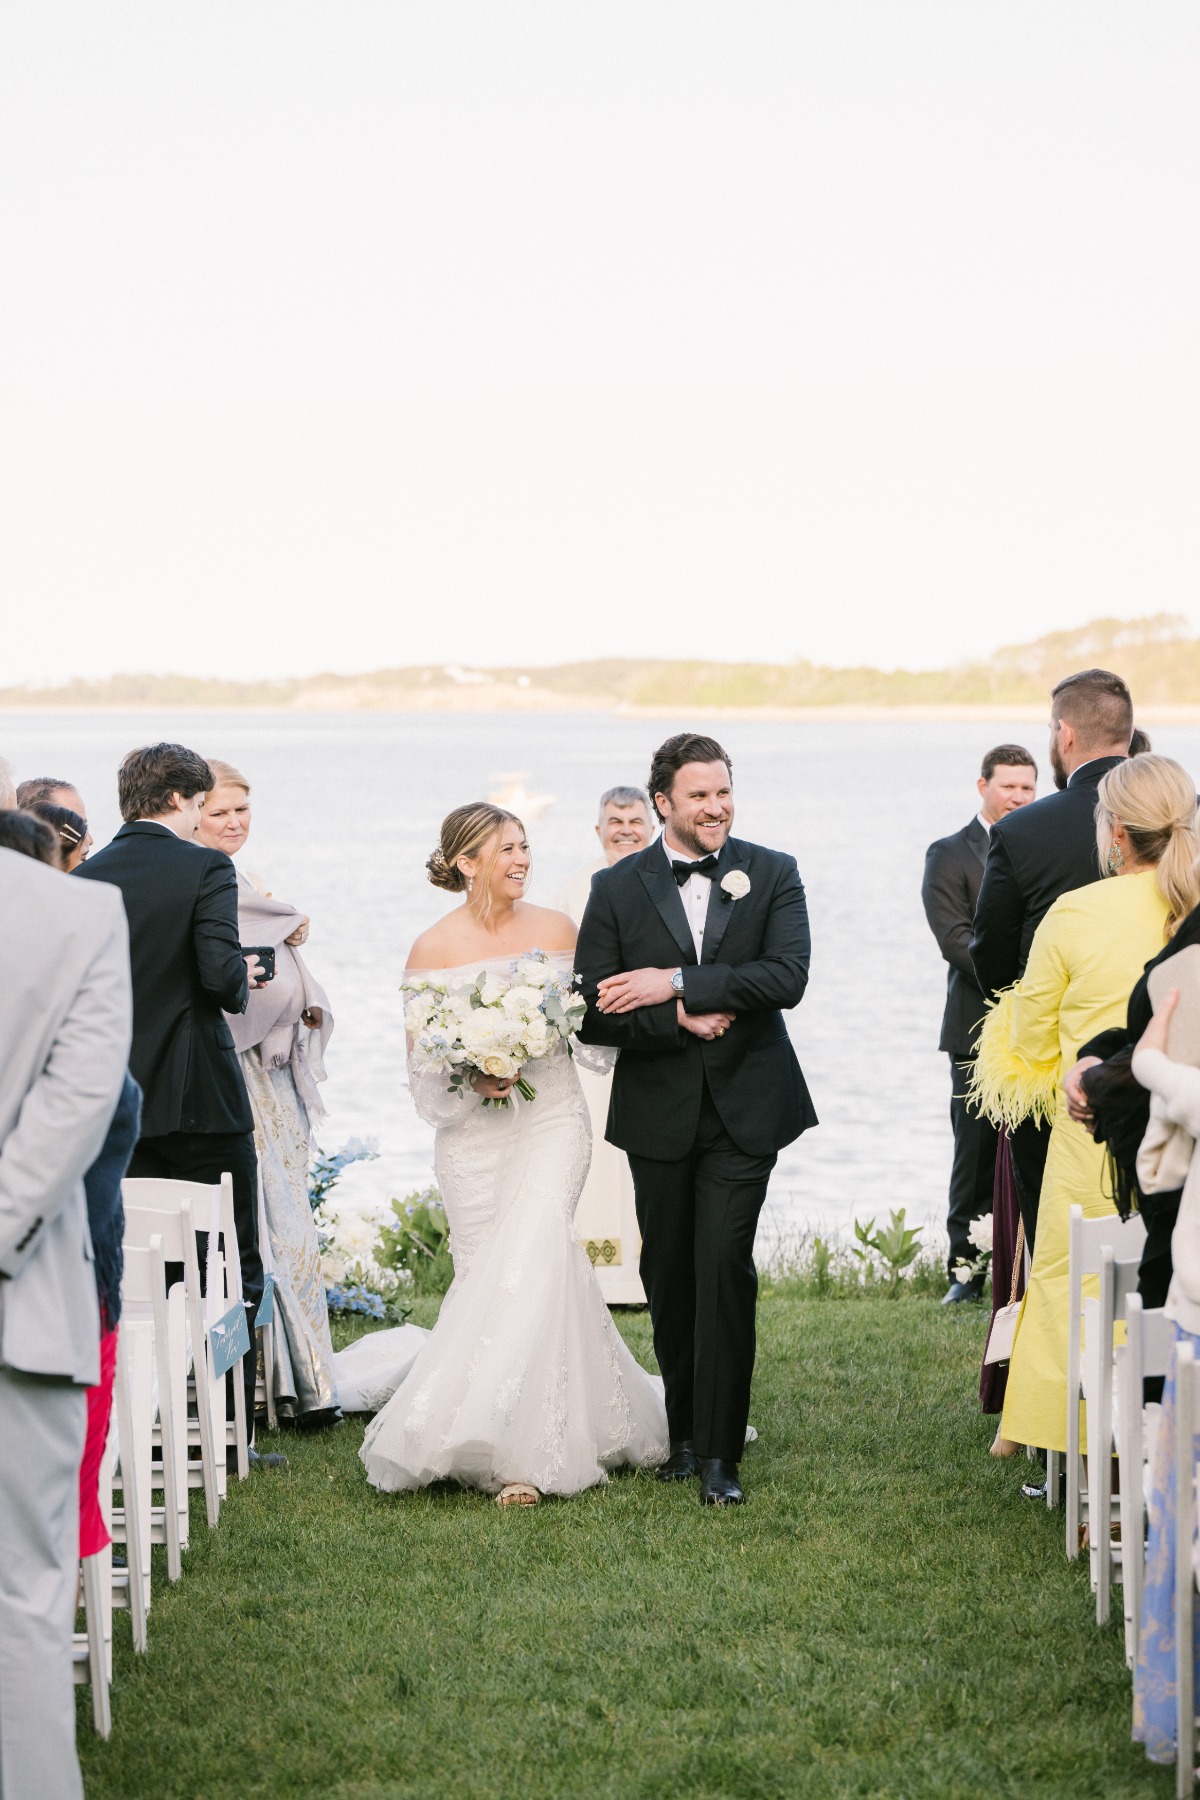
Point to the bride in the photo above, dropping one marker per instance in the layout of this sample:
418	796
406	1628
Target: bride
524	1387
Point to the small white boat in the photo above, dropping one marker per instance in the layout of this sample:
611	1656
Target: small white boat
512	794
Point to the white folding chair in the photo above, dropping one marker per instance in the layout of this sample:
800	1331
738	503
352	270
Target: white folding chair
212	1212
156	1395
1086	1239
1118	1281
185	1319
130	1585
91	1649
1147	1347
264	1387
1187	1423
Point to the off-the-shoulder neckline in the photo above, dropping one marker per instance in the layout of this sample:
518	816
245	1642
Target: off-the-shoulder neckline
490	962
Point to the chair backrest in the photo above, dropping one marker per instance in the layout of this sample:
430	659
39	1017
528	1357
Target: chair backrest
174	1227
1089	1236
1148	1337
211	1205
144	1275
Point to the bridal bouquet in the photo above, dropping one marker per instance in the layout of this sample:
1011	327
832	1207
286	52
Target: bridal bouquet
494	1025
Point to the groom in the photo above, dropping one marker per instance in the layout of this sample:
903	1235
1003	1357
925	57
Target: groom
688	953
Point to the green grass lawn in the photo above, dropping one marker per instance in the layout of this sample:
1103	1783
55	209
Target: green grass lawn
887	1616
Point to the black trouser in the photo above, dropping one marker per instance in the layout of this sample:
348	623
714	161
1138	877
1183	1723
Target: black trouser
974	1168
206	1156
1159	1212
698	1218
1028	1144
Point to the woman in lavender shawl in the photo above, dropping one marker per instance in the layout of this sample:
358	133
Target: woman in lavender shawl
280	1040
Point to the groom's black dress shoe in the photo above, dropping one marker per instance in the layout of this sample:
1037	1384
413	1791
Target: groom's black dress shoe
964	1290
719	1484
682	1465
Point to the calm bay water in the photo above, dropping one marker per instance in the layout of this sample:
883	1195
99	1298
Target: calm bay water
347	808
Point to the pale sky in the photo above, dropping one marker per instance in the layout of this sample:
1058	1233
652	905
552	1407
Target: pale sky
350	336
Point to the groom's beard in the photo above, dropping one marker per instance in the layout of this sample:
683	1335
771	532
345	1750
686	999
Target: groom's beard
687	839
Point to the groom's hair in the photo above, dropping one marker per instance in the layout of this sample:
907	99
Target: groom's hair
685	747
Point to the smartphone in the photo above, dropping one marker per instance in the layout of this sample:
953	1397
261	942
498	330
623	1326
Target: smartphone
266	956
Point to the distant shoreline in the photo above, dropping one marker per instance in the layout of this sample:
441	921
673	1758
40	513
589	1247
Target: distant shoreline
471	704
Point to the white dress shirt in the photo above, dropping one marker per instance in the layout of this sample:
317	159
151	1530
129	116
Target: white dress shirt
695	893
986	823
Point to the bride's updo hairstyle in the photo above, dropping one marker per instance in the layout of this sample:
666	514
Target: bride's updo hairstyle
1155	800
467	831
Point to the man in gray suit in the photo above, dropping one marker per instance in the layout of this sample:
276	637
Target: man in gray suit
953	874
65	1024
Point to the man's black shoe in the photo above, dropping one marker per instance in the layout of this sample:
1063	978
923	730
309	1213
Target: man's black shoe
1034	1490
682	1465
719	1484
964	1290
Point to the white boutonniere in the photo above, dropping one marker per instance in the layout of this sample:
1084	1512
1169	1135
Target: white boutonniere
736	884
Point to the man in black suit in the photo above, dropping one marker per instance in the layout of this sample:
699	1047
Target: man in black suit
689	952
1042	851
953	873
188	971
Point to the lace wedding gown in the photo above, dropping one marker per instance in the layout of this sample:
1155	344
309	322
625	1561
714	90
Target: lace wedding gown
524	1377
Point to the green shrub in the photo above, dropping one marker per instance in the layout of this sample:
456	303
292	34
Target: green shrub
419	1241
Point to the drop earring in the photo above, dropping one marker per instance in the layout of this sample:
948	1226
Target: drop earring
470	886
1116	860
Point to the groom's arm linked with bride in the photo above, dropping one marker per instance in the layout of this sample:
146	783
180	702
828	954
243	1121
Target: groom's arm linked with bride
689	953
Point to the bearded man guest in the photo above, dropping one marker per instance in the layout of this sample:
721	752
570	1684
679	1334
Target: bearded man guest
953	873
1043	851
689	953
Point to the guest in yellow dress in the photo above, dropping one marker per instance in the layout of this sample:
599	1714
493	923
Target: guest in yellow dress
1086	955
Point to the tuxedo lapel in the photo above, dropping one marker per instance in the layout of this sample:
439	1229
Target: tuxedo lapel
663	889
721	904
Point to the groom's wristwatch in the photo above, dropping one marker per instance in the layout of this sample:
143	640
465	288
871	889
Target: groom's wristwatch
677	983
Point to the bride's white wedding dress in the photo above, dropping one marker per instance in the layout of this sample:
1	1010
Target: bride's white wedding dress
524	1377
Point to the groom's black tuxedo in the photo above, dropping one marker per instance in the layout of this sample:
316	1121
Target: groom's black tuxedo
755	963
702	1121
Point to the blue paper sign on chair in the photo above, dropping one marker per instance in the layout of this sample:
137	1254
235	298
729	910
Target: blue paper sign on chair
230	1339
266	1306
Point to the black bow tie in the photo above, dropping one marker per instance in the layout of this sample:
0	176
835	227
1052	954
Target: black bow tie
683	871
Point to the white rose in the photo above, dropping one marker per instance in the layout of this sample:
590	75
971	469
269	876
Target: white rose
333	1267
537	1036
736	884
492	991
980	1232
499	1066
964	1273
533	973
524	1001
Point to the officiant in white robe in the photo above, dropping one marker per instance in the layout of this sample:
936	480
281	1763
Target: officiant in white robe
606	1219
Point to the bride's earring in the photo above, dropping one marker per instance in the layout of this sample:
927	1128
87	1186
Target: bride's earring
470	886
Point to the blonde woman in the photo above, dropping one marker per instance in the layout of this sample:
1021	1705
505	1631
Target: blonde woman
524	1387
1086	955
280	1040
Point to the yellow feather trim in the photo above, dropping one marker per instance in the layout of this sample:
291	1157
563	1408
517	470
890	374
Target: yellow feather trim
1005	1087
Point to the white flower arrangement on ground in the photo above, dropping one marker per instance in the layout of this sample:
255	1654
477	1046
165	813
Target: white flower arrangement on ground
354	1280
494	1025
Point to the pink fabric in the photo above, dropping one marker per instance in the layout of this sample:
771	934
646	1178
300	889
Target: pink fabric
92	1533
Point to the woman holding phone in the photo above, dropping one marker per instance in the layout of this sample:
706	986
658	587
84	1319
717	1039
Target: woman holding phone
280	1040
